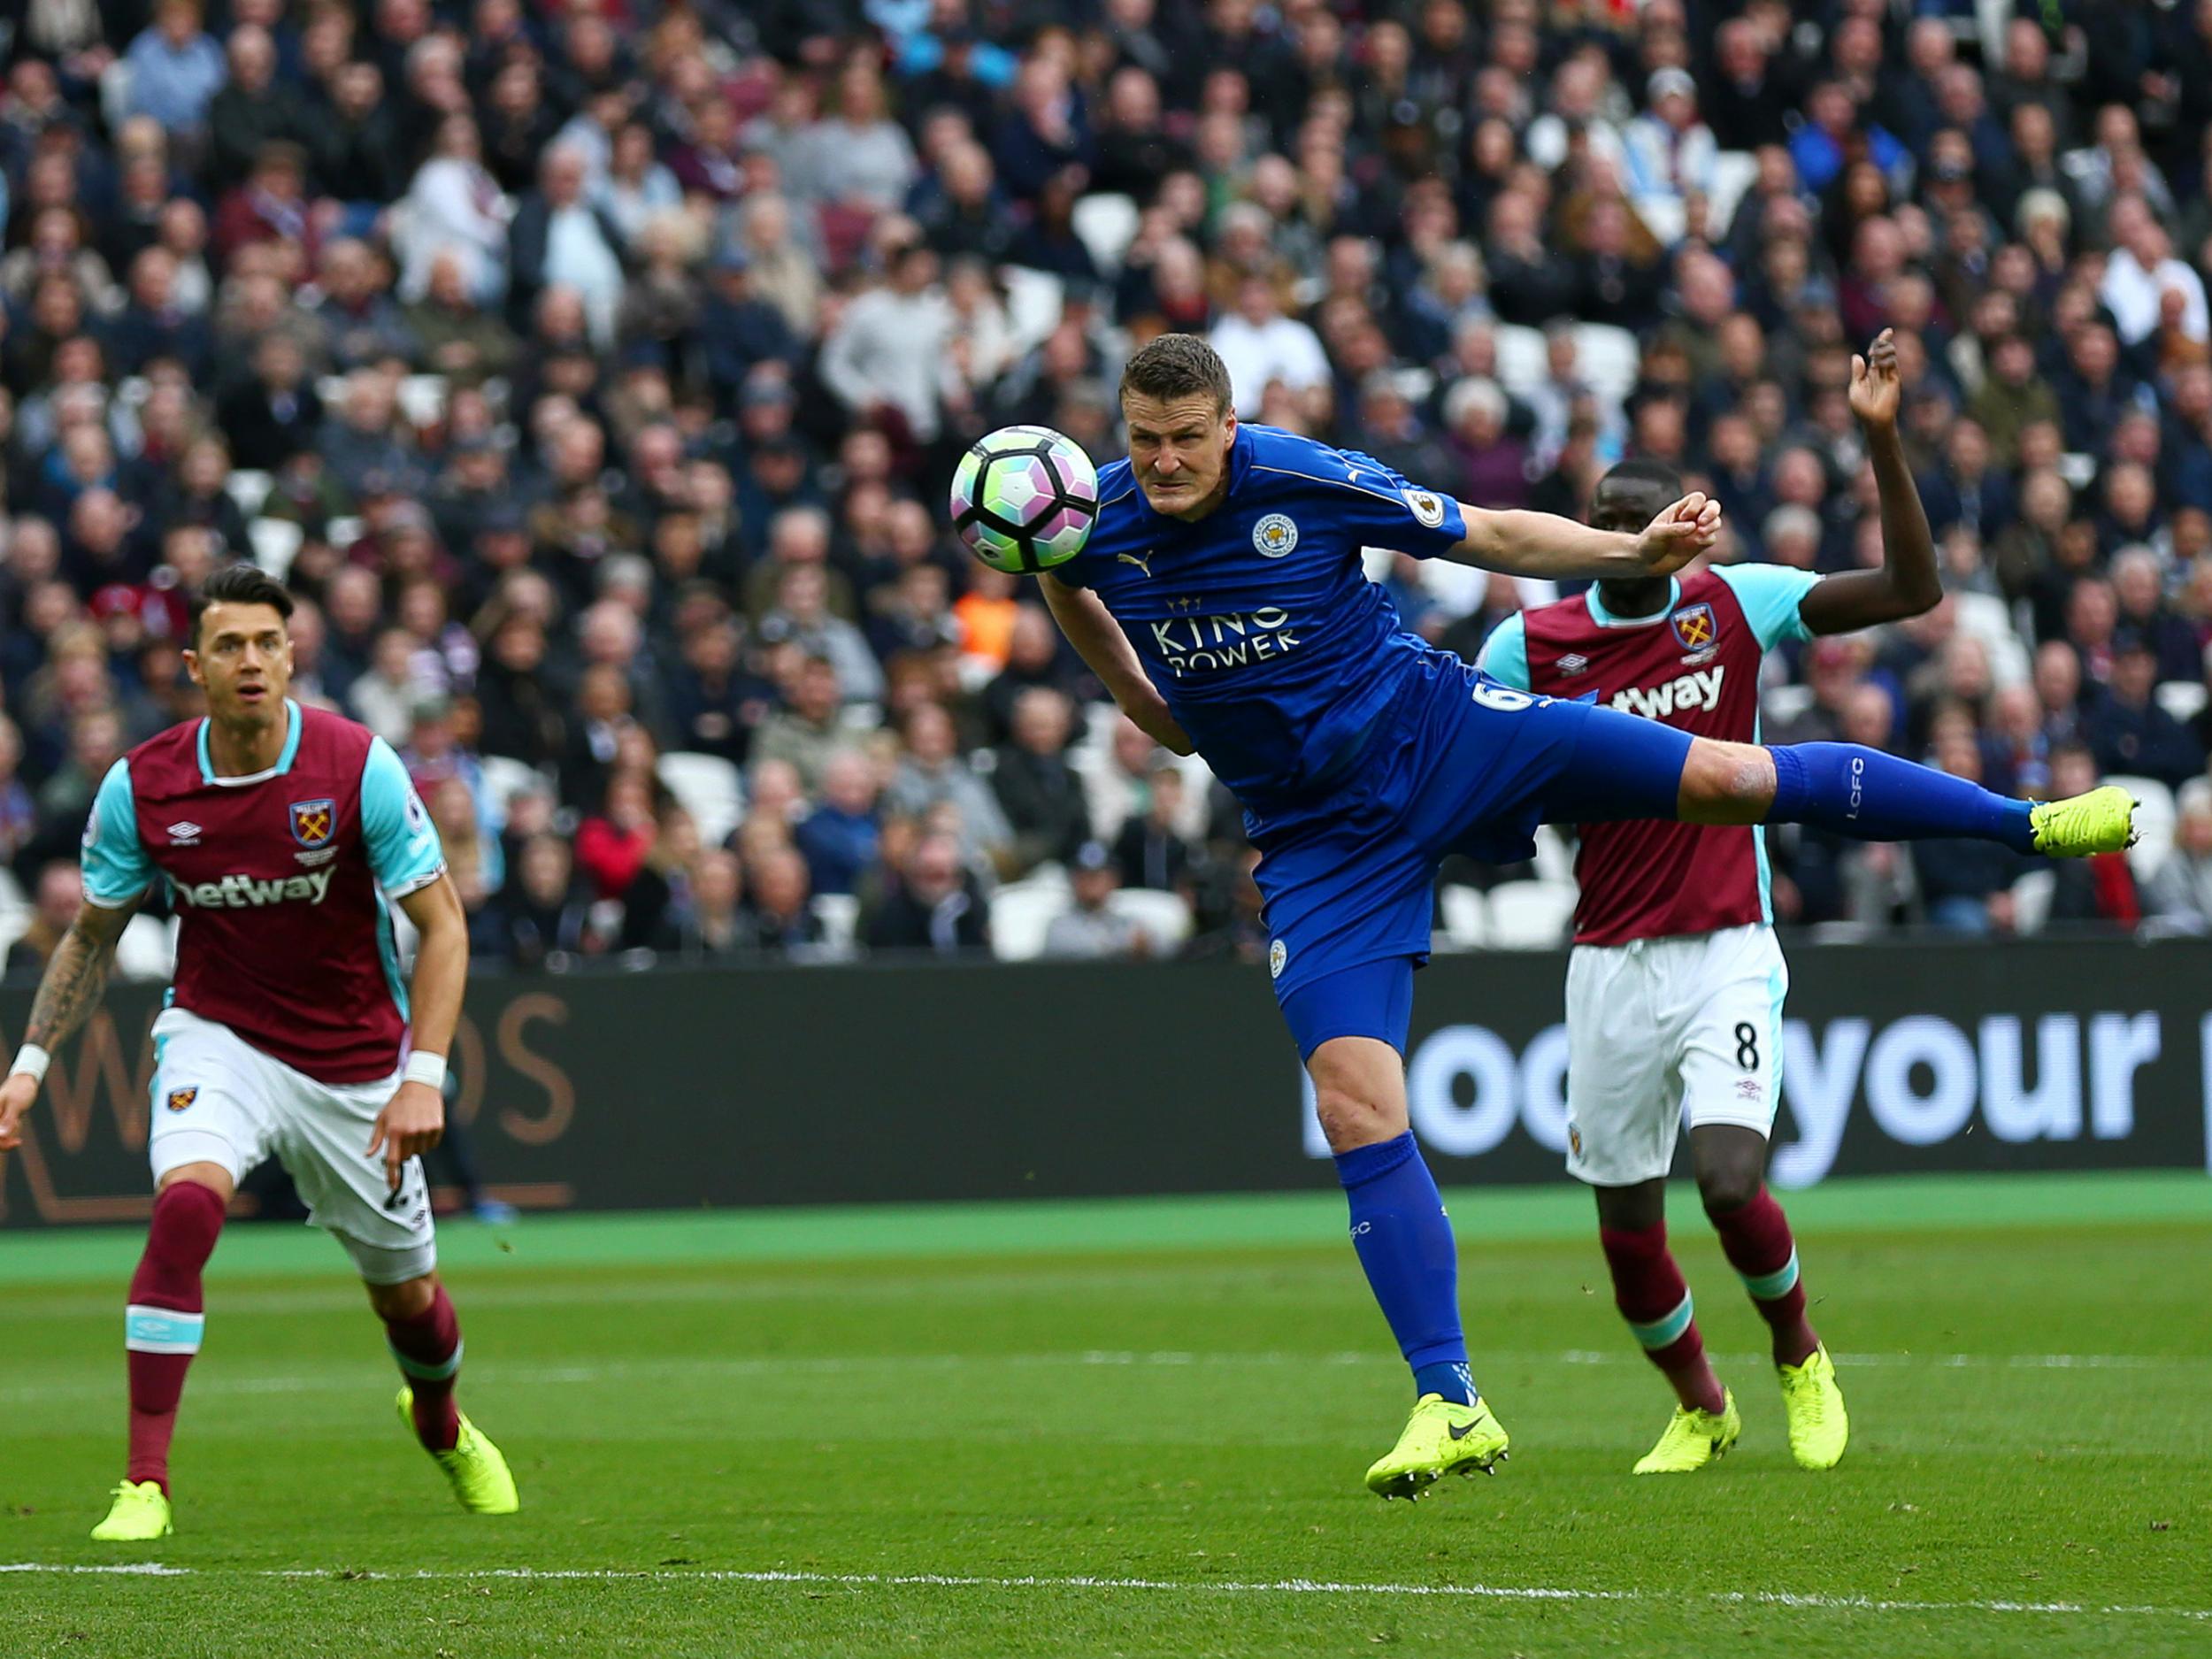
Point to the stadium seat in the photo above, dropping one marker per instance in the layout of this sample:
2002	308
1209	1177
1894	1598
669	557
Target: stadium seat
276	544
2031	896
1555	854
343	533
1020	913
248	488
13	924
147	950
1107	224
115	93
1734	172
1778	705
1531	915
1609	358
1033	305
504	776
1522	359
422	399
2184	699
709	789
840	916
1465	919
2154	823
1164	917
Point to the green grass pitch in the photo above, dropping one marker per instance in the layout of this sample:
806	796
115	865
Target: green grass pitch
1137	1429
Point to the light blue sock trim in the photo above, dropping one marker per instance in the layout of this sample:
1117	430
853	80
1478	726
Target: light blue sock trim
1659	1333
162	1330
430	1374
1780	1282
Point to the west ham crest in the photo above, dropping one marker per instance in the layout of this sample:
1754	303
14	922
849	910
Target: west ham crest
181	1098
1695	627
313	822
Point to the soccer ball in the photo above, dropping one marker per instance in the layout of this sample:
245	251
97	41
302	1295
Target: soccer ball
1023	499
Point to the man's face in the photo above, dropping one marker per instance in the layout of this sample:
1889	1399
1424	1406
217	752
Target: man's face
1178	447
243	660
1626	505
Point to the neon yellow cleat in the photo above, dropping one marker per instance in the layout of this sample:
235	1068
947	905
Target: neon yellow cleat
140	1514
1439	1439
2103	821
1819	1426
481	1479
1693	1439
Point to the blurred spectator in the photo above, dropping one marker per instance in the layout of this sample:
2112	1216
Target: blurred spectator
807	733
54	907
1151	852
1038	790
2129	732
839	837
1090	929
934	905
2179	896
930	772
539	917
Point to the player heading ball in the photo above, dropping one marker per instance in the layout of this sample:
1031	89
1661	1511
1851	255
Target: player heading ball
1221	598
283	833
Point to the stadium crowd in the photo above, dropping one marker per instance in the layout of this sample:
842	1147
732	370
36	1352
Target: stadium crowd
593	373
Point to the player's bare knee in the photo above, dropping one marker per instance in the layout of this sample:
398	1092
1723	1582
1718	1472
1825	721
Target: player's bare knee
1353	1118
410	1299
1728	1186
1726	783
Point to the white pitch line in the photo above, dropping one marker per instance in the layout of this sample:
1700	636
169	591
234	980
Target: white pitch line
342	1379
1217	1586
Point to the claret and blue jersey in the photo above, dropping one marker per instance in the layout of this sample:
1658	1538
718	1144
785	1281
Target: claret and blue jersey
1257	623
278	880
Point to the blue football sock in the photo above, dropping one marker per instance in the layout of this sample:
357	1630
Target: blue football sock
1871	796
1404	1241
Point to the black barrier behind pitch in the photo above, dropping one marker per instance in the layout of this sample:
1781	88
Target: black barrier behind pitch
881	1082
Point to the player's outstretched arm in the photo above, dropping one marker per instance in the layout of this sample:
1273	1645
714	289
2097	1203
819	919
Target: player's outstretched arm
1099	641
75	977
413	1121
1542	544
1908	582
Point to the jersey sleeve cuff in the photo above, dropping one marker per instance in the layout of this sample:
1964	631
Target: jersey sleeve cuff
413	884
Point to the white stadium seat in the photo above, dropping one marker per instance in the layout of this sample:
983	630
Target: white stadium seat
1164	917
1522	359
2154	823
707	787
1609	358
2184	699
2031	896
147	950
276	544
1531	915
1466	919
1021	912
249	488
1107	223
840	916
1033	305
505	777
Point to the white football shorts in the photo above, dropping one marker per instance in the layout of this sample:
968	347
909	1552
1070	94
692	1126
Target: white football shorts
217	1099
1662	1029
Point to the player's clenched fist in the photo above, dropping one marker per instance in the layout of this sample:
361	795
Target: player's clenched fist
16	1095
409	1125
1689	527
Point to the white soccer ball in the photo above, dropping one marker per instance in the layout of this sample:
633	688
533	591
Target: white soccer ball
1023	499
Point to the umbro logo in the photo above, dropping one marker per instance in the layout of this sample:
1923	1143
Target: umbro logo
184	835
1574	663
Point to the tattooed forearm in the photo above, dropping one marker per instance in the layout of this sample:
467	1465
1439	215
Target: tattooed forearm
75	977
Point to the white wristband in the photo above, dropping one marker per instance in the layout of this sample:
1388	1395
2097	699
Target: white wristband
32	1058
424	1068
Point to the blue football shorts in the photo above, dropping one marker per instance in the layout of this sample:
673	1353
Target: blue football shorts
1461	764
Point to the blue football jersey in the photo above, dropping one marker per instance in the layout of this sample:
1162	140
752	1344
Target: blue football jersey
1257	624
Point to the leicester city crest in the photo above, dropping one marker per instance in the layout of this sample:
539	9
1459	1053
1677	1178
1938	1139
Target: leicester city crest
314	822
1275	536
1693	626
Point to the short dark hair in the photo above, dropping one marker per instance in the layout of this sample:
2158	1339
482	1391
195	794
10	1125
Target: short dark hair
1177	366
238	585
1641	469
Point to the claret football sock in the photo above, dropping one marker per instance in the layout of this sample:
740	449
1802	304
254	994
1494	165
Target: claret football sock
1649	1291
1862	793
1405	1244
163	1324
1756	1241
429	1349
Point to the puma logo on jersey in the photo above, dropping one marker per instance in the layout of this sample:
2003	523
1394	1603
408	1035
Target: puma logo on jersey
246	893
1143	561
1686	693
